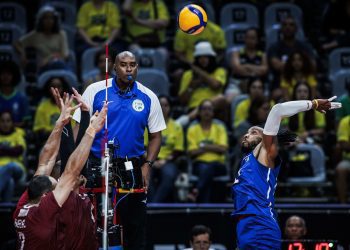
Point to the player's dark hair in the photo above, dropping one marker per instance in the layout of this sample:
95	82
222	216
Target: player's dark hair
198	230
39	185
284	137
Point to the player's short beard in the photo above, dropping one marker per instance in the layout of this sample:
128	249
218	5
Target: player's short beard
251	146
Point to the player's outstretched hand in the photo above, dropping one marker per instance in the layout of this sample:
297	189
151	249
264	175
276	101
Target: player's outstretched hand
79	99
322	105
98	119
66	109
57	96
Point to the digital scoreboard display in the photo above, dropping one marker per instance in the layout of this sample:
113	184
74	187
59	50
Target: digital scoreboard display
309	245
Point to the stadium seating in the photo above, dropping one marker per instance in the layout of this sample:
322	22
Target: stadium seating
154	79
276	12
150	58
338	60
70	77
239	13
13	13
338	84
9	33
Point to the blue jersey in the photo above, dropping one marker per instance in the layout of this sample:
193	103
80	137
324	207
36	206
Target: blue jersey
128	116
254	188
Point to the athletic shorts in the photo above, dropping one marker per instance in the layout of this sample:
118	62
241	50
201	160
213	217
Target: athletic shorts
258	233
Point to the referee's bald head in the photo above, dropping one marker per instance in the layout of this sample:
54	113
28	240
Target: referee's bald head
124	54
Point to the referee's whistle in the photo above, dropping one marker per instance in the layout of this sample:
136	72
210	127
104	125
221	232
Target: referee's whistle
129	77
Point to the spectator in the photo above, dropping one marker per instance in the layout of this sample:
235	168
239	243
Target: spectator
298	68
207	146
249	61
345	101
47	112
98	23
146	23
12	148
295	228
278	52
48	40
255	90
309	125
164	169
100	63
343	167
200	238
336	24
11	99
205	80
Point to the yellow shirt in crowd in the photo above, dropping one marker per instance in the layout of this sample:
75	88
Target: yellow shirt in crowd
17	138
202	92
145	11
241	113
343	133
216	135
46	116
311	80
320	121
212	33
98	22
172	139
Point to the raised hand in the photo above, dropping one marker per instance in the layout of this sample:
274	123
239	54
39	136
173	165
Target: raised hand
56	95
323	105
97	121
79	99
66	108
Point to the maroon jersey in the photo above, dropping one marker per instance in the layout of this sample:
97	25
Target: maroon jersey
36	224
78	227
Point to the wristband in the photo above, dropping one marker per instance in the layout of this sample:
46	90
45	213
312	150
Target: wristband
91	131
316	103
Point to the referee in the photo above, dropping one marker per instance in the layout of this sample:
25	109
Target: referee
132	108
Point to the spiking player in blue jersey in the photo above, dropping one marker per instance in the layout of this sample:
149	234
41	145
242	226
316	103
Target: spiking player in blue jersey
255	185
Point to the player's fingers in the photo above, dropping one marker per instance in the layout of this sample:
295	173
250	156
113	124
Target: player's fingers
335	105
332	98
75	107
75	92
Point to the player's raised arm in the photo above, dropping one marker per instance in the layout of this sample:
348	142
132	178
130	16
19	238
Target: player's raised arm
48	155
288	109
78	158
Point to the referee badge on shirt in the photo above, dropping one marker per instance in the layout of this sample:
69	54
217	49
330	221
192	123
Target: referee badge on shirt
138	105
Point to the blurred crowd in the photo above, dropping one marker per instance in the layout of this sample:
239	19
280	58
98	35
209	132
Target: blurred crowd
212	86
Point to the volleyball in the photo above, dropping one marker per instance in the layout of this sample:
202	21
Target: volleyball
192	19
